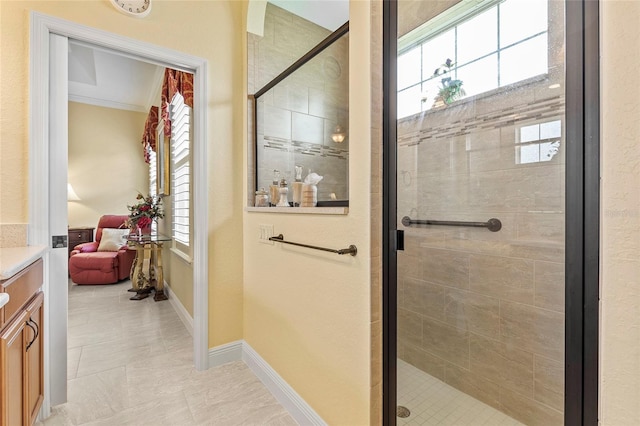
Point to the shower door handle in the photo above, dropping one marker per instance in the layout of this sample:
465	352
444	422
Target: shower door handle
399	239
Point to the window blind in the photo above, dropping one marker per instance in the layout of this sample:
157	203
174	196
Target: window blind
153	179
180	115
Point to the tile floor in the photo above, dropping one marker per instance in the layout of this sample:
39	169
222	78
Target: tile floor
433	402
130	363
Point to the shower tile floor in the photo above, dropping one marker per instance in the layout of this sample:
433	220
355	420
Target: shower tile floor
433	402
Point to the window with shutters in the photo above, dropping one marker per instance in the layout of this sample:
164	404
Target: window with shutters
153	177
180	115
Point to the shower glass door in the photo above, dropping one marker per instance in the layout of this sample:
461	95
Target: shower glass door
481	201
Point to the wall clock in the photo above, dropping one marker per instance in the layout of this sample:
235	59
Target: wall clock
137	8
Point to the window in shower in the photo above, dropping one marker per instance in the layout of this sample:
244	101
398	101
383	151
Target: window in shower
491	44
538	142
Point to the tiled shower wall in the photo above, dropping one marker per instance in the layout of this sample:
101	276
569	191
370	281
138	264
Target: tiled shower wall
297	117
480	310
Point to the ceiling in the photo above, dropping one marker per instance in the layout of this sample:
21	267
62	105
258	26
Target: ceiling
330	14
110	79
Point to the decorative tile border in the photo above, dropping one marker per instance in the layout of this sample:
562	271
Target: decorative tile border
305	148
538	110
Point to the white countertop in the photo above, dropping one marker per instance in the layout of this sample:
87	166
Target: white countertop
14	259
4	299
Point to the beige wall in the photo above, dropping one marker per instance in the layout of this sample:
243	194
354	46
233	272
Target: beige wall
213	30
620	261
106	165
179	279
306	312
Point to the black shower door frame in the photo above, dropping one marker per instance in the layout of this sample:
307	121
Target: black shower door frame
581	219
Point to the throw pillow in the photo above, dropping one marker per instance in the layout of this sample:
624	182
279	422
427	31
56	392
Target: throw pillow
112	239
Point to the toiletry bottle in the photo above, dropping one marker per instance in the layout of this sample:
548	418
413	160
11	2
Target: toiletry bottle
310	190
274	188
297	187
309	195
262	198
284	191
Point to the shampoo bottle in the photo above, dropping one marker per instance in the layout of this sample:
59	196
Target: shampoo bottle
274	188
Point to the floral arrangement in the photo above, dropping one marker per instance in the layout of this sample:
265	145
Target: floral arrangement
451	89
143	213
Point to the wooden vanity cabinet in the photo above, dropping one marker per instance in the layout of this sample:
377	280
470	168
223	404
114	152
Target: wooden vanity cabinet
13	341
34	357
21	355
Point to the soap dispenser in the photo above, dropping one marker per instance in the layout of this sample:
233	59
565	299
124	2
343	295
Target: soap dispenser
283	190
274	188
297	187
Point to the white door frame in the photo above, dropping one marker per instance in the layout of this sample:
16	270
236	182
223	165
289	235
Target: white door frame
42	149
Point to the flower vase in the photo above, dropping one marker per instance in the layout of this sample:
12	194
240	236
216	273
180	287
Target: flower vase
141	231
136	233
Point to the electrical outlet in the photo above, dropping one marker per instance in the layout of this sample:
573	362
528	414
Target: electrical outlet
266	232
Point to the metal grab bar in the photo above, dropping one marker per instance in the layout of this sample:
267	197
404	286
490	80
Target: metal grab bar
493	224
352	250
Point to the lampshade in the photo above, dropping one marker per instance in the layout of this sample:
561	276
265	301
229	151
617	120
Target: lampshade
71	194
338	134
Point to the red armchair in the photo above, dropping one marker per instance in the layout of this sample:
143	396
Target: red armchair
87	265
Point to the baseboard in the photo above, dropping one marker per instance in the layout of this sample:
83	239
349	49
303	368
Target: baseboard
183	314
223	354
285	394
240	350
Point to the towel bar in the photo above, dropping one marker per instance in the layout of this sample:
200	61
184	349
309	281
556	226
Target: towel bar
352	250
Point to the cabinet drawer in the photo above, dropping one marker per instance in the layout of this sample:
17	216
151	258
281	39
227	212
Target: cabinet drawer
21	287
78	236
81	236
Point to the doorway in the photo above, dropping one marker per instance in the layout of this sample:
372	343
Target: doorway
48	164
490	212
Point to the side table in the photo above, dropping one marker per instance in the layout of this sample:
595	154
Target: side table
149	245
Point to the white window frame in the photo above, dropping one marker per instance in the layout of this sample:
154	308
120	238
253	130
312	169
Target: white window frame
547	147
422	36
